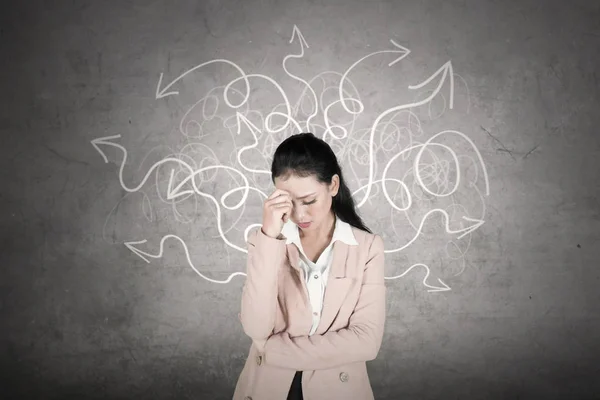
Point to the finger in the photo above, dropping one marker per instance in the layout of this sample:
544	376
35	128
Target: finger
276	193
285	212
279	200
283	201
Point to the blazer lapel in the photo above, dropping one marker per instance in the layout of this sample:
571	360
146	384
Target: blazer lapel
293	256
337	286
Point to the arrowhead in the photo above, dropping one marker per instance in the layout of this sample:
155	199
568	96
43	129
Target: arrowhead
242	118
445	287
163	93
107	141
135	250
443	70
403	51
477	223
296	32
177	192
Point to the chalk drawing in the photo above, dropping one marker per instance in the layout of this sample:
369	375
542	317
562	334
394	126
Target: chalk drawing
356	148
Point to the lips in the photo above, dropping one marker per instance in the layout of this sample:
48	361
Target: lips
304	225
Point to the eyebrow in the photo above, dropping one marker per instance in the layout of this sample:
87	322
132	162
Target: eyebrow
306	195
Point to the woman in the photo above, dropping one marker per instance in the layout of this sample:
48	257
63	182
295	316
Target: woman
314	298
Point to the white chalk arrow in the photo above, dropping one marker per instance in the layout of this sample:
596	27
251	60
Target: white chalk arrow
160	93
143	254
296	34
109	141
241	119
443	288
403	51
464	231
173	193
446	72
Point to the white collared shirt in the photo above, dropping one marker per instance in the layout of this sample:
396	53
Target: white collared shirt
316	274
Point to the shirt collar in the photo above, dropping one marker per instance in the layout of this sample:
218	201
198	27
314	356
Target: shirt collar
342	232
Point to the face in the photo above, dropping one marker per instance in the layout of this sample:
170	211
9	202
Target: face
311	199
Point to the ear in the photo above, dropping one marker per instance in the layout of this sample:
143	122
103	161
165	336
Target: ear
335	184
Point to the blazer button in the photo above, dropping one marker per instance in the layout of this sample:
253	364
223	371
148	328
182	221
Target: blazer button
344	377
258	361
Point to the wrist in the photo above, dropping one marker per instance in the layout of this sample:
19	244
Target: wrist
278	236
267	233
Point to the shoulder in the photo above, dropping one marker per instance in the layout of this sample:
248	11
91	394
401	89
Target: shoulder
368	242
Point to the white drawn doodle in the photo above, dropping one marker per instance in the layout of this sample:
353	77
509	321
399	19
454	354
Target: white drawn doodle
160	93
444	70
303	44
393	135
141	254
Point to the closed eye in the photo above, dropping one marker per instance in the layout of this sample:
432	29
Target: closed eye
311	202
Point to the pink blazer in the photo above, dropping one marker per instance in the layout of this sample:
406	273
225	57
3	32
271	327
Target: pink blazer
276	315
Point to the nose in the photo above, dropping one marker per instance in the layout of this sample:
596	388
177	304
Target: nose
297	213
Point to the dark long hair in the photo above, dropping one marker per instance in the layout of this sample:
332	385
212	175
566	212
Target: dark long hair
304	155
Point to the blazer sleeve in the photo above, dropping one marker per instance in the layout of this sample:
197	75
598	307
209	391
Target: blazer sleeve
259	293
360	341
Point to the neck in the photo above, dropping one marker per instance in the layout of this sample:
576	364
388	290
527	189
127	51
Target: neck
324	231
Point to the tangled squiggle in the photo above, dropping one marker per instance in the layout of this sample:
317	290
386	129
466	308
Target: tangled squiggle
329	103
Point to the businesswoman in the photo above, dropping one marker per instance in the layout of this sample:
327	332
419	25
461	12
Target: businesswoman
313	302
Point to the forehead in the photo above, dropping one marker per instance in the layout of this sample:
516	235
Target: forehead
298	186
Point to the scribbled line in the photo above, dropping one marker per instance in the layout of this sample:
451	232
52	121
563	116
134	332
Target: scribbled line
443	288
142	254
352	146
303	44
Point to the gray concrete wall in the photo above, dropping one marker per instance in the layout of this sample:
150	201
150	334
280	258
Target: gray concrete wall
492	271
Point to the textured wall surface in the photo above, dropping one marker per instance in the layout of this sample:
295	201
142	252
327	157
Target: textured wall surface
136	146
